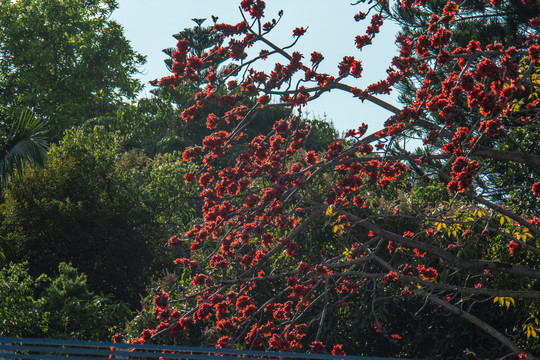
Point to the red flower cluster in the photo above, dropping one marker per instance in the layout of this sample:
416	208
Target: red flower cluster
513	246
462	174
254	7
536	188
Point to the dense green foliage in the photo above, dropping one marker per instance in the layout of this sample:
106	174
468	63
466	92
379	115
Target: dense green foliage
106	210
60	307
21	312
64	59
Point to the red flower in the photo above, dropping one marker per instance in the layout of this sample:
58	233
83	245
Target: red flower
254	7
301	99
218	261
534	52
189	177
263	100
162	299
317	347
304	268
117	338
536	188
337	350
513	246
406	293
242	302
192	153
311	158
418	253
334	149
299	31
201	279
429	273
390	277
358	17
203	312
462	174
316	57
223	342
212	121
362	41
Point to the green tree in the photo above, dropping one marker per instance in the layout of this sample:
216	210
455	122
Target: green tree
21	313
61	306
64	59
82	208
106	210
76	313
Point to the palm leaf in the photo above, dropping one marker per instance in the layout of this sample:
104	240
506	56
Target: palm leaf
25	143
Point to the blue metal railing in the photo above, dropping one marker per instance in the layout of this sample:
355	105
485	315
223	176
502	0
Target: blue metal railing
15	348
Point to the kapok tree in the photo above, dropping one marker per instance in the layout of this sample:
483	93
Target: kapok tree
290	240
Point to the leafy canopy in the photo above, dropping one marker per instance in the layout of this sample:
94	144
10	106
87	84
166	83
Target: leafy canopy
65	60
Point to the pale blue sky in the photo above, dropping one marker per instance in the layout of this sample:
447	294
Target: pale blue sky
149	25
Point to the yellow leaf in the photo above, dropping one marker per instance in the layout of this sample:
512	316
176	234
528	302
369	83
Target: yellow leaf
330	211
504	301
501	220
469	352
529	330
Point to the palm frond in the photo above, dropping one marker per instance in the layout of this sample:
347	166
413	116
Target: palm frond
25	143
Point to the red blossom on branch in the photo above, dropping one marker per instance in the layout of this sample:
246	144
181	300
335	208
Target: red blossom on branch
258	271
